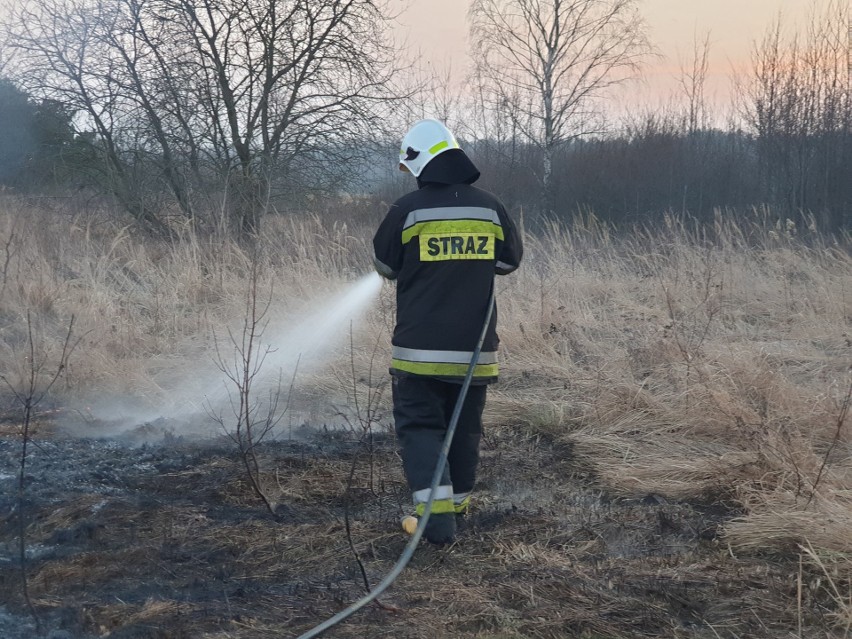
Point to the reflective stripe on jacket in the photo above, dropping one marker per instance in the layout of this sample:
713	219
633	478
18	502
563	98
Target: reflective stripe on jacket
443	245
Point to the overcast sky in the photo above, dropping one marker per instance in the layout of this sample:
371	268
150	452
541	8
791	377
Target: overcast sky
438	29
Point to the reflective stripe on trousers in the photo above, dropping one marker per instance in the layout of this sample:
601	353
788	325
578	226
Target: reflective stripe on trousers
443	363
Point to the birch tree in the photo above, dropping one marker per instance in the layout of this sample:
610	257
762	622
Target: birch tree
547	65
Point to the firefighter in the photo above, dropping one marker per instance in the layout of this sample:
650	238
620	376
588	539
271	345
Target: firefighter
443	244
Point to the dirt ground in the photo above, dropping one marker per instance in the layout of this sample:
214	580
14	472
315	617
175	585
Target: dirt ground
153	535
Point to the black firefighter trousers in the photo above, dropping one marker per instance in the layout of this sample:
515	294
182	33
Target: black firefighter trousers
422	409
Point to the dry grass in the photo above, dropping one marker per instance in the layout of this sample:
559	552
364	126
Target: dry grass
688	364
696	367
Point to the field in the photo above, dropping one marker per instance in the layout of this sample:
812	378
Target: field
668	452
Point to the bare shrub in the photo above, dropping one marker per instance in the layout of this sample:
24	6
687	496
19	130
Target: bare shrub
251	420
38	371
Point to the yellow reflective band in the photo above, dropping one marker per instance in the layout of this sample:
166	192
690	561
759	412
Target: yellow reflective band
452	227
444	370
462	507
456	246
441	145
439	507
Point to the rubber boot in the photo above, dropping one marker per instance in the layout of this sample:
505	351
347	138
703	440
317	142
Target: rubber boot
441	529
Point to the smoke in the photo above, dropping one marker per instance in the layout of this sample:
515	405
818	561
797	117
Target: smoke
287	346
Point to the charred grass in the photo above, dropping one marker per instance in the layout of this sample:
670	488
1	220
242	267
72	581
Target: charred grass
179	548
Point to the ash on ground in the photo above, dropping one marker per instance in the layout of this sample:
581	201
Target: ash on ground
154	534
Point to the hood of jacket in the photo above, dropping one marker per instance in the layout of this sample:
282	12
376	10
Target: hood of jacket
450	167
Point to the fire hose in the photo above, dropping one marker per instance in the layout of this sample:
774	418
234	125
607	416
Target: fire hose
409	549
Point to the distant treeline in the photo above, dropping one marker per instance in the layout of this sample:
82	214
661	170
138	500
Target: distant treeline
629	178
636	177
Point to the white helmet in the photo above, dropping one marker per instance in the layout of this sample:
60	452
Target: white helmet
424	141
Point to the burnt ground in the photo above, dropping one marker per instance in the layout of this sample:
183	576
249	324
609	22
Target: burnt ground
164	539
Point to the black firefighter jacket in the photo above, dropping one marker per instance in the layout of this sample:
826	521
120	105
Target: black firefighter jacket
443	244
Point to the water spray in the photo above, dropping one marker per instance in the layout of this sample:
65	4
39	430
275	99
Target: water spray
308	343
309	340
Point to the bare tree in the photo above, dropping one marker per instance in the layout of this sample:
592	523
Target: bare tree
798	101
4	59
256	94
547	63
433	94
36	377
693	78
